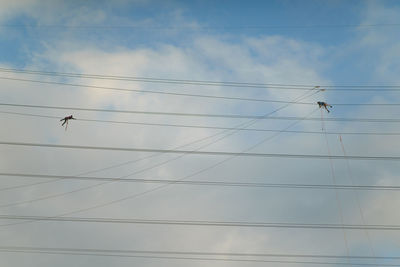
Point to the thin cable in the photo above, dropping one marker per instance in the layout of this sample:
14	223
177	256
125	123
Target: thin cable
198	27
339	205
307	94
154	91
190	258
205	126
147	191
331	226
125	176
207	83
357	199
200	183
195	253
114	166
208	115
205	153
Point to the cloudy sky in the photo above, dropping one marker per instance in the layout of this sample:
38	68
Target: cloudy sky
343	45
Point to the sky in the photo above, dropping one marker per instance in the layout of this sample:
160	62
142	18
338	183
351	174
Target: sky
343	45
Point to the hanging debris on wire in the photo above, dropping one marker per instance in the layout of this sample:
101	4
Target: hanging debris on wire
65	121
324	104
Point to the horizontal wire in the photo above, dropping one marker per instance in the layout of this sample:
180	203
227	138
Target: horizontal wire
192	258
213	153
154	92
197	253
203	183
197	95
209	115
202	82
197	27
204	223
203	126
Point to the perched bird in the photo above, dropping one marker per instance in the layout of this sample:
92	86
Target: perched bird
65	121
324	104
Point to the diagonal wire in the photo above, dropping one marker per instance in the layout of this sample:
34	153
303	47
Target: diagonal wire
340	211
357	197
248	124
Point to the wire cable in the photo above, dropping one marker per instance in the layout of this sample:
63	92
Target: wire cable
205	153
333	176
190	258
208	115
197	253
201	183
152	91
165	255
331	226
205	126
246	124
208	83
198	27
357	198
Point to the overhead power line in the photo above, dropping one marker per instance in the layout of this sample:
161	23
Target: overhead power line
208	153
199	27
246	124
145	91
201	183
208	115
196	253
205	126
187	258
278	86
380	227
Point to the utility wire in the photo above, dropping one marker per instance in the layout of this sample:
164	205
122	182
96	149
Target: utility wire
209	115
134	173
380	227
198	27
246	124
208	153
201	183
181	255
153	91
357	198
197	253
207	83
189	258
333	176
118	165
205	126
92	186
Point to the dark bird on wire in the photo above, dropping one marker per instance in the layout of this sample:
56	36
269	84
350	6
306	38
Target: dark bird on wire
325	105
65	121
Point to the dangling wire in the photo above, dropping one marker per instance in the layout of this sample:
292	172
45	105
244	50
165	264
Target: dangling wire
350	174
336	191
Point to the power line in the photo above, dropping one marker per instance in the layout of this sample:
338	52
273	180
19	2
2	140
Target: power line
202	182
188	258
152	91
333	176
198	27
357	198
196	253
225	84
205	126
213	153
209	115
247	124
204	223
207	83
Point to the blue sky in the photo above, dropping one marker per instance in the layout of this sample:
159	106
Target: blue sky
197	40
